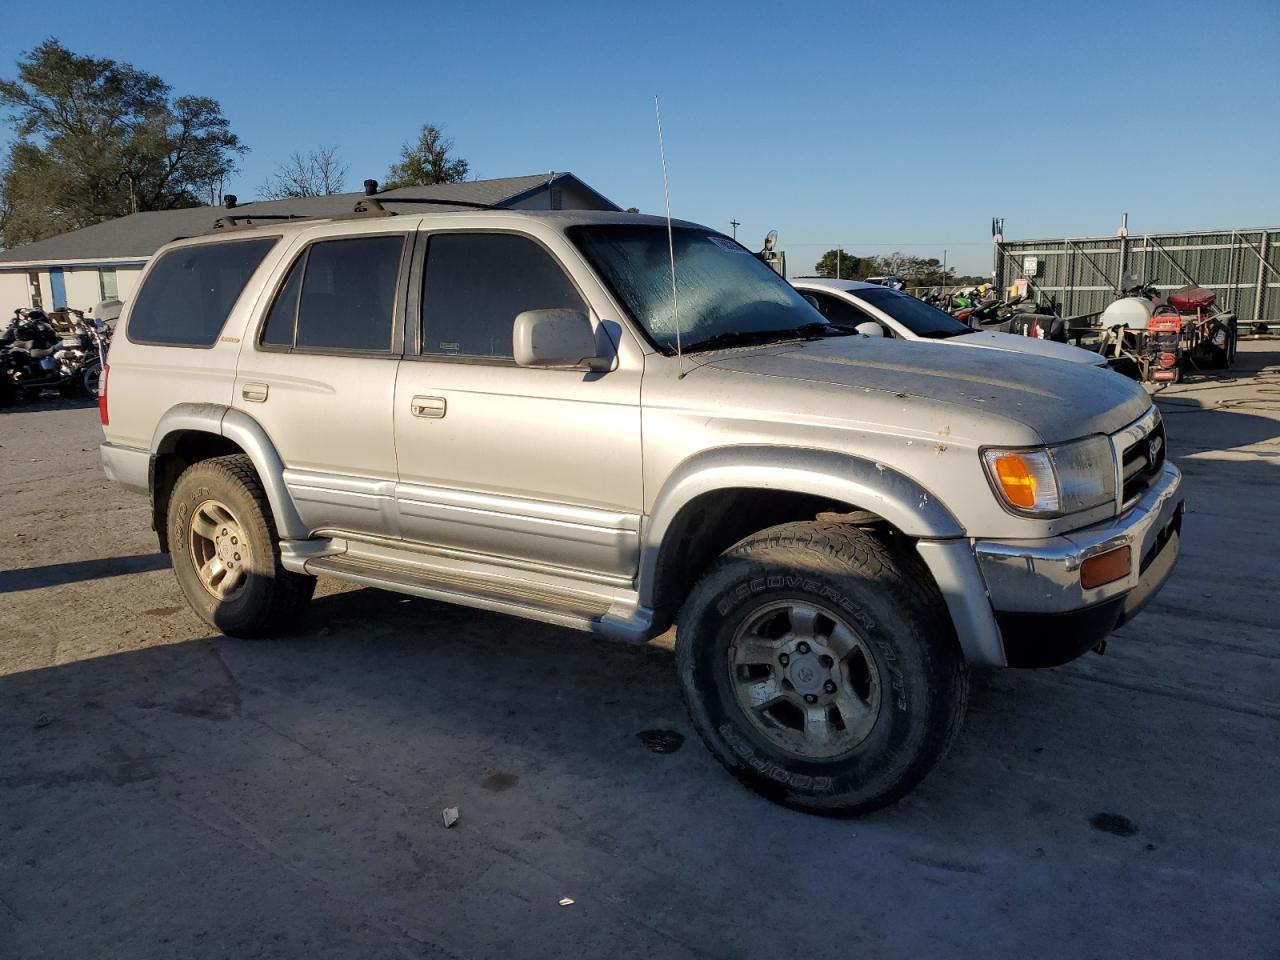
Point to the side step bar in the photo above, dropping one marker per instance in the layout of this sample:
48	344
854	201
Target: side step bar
549	598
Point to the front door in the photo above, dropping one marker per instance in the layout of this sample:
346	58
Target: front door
519	464
320	375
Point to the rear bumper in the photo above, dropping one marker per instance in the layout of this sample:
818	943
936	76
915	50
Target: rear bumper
127	466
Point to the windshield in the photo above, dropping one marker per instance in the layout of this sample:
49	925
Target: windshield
723	291
920	318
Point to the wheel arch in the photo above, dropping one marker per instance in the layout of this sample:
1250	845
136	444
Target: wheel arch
191	432
775	485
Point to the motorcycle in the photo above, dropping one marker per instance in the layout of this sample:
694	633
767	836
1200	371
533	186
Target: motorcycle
35	357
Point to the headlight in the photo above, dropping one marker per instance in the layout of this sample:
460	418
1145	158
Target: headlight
1054	481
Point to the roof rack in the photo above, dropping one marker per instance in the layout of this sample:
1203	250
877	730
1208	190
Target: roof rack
375	204
232	222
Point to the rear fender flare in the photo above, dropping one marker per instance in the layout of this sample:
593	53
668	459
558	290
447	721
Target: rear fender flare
240	428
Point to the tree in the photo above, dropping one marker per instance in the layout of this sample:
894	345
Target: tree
97	138
315	174
843	265
426	162
912	271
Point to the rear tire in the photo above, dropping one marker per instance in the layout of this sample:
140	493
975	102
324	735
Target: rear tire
225	552
821	668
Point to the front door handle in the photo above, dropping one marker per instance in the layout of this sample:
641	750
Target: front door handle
430	407
255	392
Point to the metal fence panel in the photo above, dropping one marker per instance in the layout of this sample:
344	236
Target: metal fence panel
1084	274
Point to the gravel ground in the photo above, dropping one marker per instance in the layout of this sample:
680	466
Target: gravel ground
169	793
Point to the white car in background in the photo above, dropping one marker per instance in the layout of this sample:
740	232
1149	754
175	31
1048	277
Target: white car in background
853	303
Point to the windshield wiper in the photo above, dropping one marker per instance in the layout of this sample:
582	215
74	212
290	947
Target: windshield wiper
732	338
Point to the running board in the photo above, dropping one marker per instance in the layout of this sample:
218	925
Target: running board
549	598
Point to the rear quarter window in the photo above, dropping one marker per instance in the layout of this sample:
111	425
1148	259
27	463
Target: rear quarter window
190	291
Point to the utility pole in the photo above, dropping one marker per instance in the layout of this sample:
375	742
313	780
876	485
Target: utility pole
734	225
839	261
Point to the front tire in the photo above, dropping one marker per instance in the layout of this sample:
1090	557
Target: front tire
225	552
820	667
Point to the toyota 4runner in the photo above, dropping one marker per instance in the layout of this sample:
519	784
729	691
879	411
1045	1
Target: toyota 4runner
514	411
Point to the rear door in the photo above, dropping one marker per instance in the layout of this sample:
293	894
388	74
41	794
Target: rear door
524	465
320	372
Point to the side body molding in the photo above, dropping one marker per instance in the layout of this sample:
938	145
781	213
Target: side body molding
246	433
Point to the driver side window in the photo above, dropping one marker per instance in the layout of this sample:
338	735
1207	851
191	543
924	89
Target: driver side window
841	313
475	284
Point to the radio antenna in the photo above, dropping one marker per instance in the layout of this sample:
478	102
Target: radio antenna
671	243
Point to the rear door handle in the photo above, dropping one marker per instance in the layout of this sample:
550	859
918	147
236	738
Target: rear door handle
255	392
430	407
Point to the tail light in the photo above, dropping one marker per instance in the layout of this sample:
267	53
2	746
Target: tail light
1168	360
102	396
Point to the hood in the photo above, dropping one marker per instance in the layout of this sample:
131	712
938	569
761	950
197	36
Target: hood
993	340
1058	401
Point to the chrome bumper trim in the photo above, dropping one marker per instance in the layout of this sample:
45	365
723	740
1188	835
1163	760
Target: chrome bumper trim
1043	576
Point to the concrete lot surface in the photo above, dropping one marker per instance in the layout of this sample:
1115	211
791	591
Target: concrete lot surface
169	793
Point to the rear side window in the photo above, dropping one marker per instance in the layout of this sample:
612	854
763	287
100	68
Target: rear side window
190	291
349	293
476	283
339	295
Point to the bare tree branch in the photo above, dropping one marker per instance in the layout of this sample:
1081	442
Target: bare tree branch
318	173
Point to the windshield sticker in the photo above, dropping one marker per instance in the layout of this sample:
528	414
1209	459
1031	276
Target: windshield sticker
724	243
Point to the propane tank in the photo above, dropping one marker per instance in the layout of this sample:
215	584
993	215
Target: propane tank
1132	312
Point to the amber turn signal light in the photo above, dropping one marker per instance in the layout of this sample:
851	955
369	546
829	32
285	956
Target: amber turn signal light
1016	480
1105	568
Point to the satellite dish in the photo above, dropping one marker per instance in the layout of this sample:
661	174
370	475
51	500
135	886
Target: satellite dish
771	241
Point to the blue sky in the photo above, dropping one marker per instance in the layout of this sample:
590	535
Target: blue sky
879	127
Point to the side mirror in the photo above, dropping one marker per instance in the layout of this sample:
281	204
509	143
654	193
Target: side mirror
556	338
869	328
813	301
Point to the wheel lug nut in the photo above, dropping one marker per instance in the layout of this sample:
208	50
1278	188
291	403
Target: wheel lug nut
783	659
224	531
826	661
238	557
829	686
810	698
802	647
234	540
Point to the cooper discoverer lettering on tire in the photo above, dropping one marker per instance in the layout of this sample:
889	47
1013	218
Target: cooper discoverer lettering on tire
225	553
820	667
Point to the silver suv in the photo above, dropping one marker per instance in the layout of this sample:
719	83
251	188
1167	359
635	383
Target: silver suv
511	410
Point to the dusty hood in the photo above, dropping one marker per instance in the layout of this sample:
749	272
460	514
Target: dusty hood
992	340
1059	401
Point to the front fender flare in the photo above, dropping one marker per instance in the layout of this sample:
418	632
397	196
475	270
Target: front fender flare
863	483
860	482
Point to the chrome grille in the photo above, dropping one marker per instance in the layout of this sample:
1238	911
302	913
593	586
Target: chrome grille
1140	464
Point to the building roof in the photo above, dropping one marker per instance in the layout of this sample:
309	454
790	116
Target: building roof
139	235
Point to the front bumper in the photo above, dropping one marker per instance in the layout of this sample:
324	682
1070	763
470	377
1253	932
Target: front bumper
1043	576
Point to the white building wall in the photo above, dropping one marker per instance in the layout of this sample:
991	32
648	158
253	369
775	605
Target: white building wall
13	294
82	288
127	281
